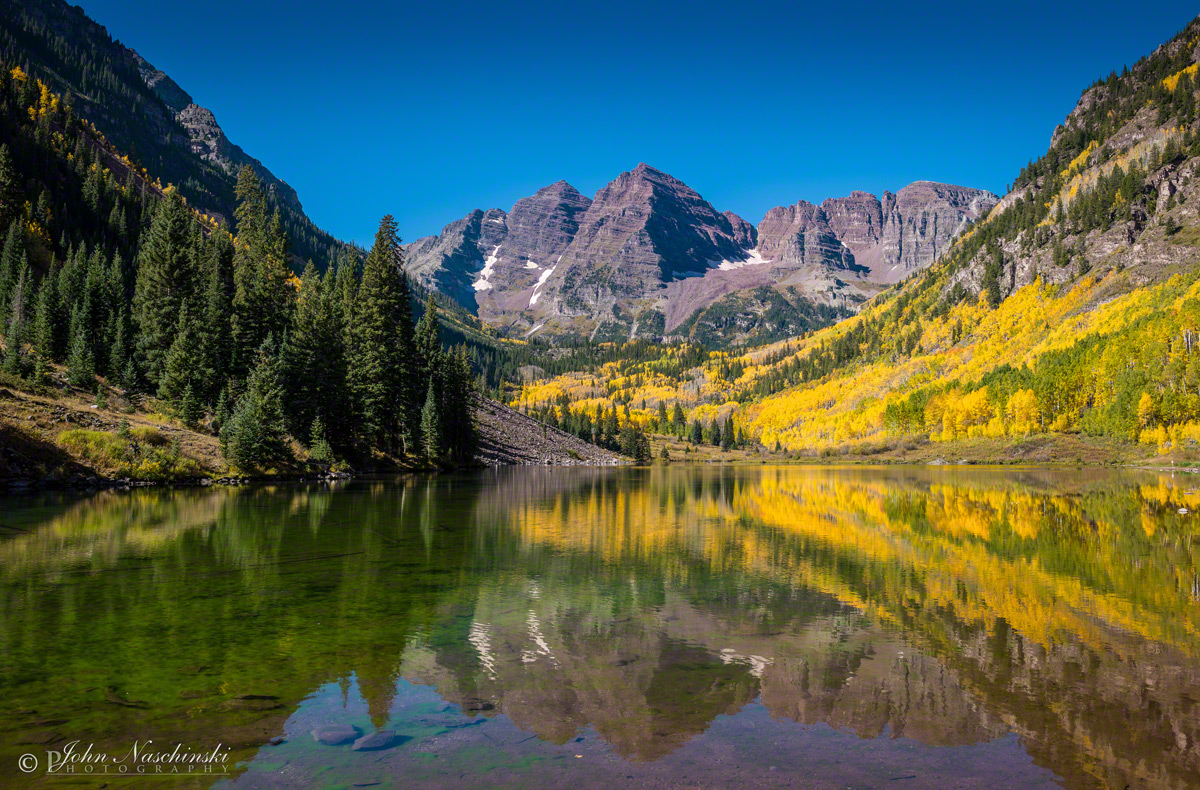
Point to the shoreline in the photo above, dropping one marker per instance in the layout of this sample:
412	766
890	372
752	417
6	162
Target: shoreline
95	484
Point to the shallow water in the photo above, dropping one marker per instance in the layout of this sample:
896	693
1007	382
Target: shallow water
665	627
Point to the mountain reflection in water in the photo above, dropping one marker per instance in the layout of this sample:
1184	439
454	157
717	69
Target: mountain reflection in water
1041	623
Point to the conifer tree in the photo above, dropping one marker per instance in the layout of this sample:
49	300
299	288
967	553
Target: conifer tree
254	436
218	313
184	370
166	278
81	365
319	448
428	341
314	367
382	369
728	434
458	398
120	355
11	258
44	335
262	299
431	425
16	331
189	408
10	189
991	277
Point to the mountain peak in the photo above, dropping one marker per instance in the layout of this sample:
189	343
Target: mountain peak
649	173
559	187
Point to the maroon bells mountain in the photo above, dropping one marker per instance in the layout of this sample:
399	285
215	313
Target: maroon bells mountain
649	257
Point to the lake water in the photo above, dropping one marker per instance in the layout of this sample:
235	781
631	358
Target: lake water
666	627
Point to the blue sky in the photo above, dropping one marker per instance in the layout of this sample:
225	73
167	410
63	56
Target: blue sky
429	110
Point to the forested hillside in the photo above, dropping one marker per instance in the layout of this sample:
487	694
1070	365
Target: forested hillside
1072	308
102	79
112	285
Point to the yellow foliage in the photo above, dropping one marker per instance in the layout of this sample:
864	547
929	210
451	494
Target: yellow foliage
1172	81
1081	160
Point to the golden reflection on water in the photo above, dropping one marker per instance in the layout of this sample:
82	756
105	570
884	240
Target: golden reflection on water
948	606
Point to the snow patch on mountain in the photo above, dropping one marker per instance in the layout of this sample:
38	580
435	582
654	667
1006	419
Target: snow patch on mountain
489	266
753	258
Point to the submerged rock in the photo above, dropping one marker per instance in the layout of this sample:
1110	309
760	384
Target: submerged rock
335	734
250	702
376	740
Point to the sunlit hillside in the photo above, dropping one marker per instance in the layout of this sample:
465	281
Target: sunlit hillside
1073	308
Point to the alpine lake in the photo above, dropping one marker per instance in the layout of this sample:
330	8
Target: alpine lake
678	626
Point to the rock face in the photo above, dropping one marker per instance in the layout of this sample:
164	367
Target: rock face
453	261
648	252
800	235
206	138
493	262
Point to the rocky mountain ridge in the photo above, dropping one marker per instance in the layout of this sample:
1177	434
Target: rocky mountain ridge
648	254
206	138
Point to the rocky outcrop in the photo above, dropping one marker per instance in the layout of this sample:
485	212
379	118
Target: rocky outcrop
206	137
894	236
642	231
745	234
922	219
540	229
163	86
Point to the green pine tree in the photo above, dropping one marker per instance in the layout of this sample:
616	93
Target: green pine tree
319	448
382	372
184	369
218	313
428	341
166	278
254	437
11	201
315	366
189	409
81	365
431	425
728	434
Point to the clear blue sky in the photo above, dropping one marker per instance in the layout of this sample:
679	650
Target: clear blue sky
428	110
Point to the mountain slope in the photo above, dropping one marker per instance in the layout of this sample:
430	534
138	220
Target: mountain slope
145	113
1072	308
649	257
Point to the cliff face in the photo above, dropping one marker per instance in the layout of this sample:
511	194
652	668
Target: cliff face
649	254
